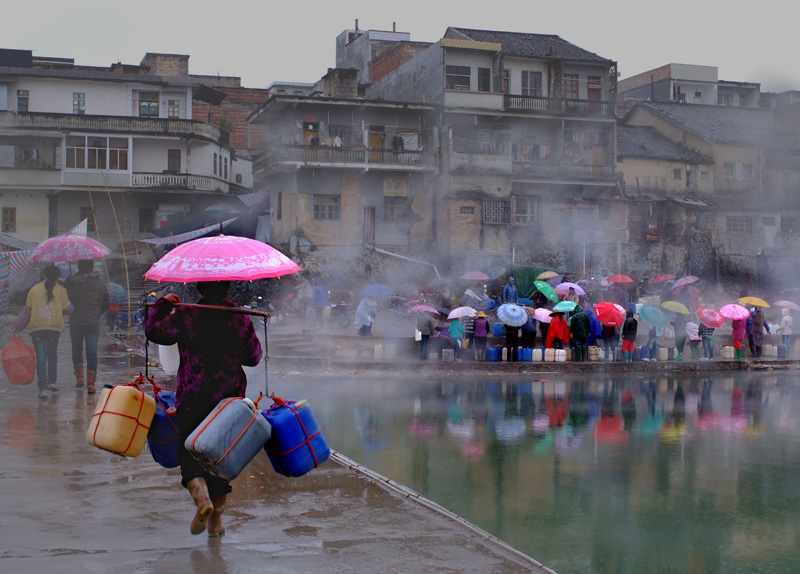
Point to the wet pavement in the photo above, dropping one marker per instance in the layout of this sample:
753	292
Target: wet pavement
70	507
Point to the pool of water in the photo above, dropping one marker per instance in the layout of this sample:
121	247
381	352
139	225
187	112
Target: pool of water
606	475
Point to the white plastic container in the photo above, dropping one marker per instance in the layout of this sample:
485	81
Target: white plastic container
727	353
377	352
594	353
561	355
505	354
536	354
448	356
663	354
170	358
549	355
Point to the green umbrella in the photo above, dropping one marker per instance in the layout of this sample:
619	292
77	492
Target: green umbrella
546	290
566	306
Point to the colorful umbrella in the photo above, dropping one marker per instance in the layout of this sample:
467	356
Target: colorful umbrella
221	258
685	281
545	275
68	248
542	314
619	278
564	288
608	314
676	307
565	306
465	311
475	276
423	309
734	312
663	277
654	316
756	301
546	290
512	315
710	318
376	290
788	305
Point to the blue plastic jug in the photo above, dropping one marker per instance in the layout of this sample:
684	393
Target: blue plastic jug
493	353
497	329
163	436
527	354
297	444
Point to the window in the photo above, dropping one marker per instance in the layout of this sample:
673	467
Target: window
526	210
174	160
594	88
395	209
148	104
22	100
219	164
9	220
484	80
531	83
326	207
146	218
677	174
730	170
497	211
768	221
174	109
97	152
466	210
342	131
88	214
279	207
738	224
225	169
571	90
76	152
78	103
705	176
214	164
725	99
457	77
604	211
743	100
747	172
118	154
506	78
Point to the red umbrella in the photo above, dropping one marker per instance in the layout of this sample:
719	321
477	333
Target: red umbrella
608	314
663	277
710	318
423	309
221	258
475	276
685	281
619	278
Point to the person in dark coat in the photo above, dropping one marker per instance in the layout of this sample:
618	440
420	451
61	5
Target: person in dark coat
89	294
759	324
512	343
610	336
529	333
213	345
629	329
427	326
579	326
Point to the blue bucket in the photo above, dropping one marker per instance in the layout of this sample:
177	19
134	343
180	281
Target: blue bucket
163	436
497	329
493	353
297	444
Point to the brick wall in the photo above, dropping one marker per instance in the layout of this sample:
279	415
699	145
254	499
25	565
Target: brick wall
394	58
238	104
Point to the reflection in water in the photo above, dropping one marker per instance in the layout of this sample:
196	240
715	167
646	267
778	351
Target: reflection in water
616	475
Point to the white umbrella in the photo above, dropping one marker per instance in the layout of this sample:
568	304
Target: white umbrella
465	311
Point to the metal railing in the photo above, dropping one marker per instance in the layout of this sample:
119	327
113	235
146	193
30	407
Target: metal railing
537	104
183	181
306	154
562	171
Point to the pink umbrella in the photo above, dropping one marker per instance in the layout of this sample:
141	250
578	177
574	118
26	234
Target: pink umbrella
710	318
788	305
542	314
734	311
475	276
423	309
465	311
564	288
685	281
69	248
221	258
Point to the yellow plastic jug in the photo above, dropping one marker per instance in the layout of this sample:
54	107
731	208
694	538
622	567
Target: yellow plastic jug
121	420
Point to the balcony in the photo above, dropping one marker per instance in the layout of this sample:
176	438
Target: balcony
522	170
115	124
294	157
559	106
174	180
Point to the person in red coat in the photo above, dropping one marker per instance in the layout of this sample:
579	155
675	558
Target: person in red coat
557	332
738	333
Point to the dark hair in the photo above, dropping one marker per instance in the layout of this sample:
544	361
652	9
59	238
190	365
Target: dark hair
213	290
51	275
85	266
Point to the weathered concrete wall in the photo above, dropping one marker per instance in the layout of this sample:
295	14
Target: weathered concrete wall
659	175
421	79
393	58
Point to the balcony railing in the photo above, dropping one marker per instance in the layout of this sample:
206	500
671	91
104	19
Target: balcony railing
536	104
321	155
111	124
174	180
562	171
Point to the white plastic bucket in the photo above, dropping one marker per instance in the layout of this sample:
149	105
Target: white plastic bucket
170	358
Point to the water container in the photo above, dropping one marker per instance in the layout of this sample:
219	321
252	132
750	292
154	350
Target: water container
504	353
727	353
433	356
297	444
593	353
121	420
568	353
497	329
536	355
377	352
229	437
170	358
448	355
549	355
163	436
637	353
766	351
663	354
389	352
492	353
527	354
561	355
783	351
774	351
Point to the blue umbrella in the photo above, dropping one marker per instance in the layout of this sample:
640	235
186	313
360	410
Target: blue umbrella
512	315
376	290
117	293
654	316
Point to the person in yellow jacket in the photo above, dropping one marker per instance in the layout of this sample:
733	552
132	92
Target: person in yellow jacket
43	314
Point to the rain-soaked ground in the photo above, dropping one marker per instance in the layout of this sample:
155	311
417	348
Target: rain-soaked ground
69	507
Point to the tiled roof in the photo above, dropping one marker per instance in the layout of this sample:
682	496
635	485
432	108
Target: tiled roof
726	124
647	142
529	45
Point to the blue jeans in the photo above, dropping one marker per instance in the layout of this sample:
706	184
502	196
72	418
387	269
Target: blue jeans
708	348
785	339
89	333
610	347
45	345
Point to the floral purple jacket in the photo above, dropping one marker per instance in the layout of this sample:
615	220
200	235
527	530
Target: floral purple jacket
213	347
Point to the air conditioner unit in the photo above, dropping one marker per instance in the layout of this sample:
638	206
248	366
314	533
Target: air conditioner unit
238	178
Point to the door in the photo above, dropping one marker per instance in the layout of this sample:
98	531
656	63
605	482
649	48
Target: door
376	143
369	226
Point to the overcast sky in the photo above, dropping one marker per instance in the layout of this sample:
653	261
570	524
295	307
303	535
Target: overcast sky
267	41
